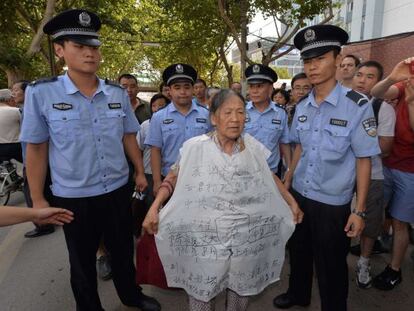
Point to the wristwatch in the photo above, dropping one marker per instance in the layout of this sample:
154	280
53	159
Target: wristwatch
363	215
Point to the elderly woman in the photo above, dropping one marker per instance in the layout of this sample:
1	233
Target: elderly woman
227	222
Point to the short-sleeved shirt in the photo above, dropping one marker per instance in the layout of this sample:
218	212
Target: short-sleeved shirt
386	127
9	124
86	153
402	153
142	134
332	135
270	127
169	129
142	112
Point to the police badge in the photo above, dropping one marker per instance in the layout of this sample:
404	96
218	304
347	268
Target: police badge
179	68
84	19
256	69
309	35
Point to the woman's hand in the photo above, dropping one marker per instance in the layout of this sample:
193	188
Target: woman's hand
150	223
296	212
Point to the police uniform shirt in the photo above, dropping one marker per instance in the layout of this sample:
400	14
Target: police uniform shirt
270	127
86	153
169	129
332	136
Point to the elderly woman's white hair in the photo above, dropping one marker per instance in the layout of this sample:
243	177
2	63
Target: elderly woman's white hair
5	95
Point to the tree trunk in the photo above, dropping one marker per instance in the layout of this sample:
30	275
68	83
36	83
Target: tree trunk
13	75
244	7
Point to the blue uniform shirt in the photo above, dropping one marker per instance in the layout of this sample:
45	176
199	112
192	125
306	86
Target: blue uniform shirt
86	153
169	129
333	134
270	127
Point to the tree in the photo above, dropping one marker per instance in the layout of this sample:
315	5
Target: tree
24	49
291	14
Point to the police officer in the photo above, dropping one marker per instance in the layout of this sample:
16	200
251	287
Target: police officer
265	120
335	132
84	125
171	126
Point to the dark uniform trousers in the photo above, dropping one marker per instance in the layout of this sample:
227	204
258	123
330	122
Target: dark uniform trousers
321	240
108	215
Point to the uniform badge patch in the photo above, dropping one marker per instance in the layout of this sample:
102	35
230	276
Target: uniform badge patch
168	121
84	19
302	118
370	126
114	106
338	122
274	121
201	120
62	106
179	68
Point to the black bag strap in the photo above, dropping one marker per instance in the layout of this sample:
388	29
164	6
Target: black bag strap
376	105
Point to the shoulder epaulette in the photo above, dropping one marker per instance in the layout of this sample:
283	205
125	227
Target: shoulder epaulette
357	98
109	82
201	106
43	80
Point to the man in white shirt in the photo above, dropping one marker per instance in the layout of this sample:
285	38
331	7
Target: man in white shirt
366	76
10	147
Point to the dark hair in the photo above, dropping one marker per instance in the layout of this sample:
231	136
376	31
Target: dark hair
23	84
298	76
219	98
356	59
156	97
284	93
200	81
127	76
373	63
61	41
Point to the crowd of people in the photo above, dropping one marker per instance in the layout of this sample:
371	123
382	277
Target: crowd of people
195	157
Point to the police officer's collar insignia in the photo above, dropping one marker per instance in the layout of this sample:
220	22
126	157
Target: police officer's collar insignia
309	35
201	120
275	121
84	19
256	69
370	126
247	118
302	118
168	121
179	68
62	106
338	122
114	106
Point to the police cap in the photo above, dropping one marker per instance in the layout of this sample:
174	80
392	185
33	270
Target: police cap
259	73
80	26
317	40
179	72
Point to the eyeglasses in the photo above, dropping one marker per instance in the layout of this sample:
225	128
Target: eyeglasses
302	88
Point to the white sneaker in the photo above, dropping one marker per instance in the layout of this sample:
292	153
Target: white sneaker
363	275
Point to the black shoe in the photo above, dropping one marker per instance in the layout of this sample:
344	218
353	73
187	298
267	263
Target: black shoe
284	301
147	303
387	279
39	231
